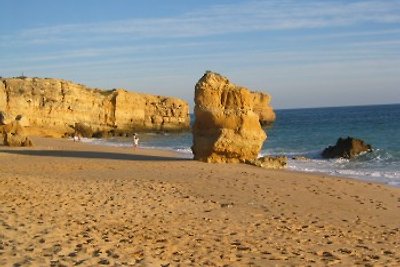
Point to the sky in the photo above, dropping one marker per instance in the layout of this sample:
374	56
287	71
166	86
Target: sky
303	53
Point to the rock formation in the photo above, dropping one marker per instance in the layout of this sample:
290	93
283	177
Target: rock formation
82	130
53	105
269	162
226	128
346	148
14	134
16	140
262	108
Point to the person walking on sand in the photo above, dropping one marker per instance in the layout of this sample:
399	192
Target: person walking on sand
135	140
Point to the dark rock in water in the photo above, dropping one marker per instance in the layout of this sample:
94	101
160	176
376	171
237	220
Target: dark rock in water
346	148
269	162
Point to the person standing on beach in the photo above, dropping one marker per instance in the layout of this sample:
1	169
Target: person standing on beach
135	140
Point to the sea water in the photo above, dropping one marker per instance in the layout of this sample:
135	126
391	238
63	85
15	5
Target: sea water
306	132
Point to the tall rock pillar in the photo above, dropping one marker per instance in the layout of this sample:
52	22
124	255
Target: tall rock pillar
226	129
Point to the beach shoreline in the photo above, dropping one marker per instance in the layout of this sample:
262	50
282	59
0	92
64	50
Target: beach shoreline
71	203
292	166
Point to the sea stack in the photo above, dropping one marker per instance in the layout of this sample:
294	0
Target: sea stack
347	148
51	105
226	128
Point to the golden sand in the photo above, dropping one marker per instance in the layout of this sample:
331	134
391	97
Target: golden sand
64	204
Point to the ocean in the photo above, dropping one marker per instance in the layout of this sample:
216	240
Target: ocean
306	132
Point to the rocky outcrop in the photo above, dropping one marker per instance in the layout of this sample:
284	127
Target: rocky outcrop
17	140
226	128
346	148
54	104
262	108
14	134
269	162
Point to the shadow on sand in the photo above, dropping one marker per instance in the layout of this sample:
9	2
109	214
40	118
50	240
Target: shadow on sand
90	155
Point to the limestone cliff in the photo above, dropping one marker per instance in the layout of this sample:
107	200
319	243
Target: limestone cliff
53	104
226	128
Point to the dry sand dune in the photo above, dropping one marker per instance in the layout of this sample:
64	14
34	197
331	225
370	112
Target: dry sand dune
64	204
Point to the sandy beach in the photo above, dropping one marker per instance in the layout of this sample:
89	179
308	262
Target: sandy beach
64	203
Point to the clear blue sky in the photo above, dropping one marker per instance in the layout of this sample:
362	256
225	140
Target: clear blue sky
304	53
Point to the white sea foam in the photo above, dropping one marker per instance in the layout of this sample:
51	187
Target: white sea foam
185	151
347	168
105	142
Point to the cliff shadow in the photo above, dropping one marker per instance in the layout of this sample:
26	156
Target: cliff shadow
91	155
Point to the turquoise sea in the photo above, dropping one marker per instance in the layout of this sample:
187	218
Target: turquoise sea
306	132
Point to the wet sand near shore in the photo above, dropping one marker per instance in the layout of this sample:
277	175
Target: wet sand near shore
73	204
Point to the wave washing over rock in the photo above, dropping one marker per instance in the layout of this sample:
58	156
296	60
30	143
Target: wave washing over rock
51	105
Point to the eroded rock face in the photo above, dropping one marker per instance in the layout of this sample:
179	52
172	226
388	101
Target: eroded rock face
54	104
226	128
346	148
